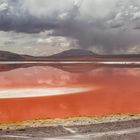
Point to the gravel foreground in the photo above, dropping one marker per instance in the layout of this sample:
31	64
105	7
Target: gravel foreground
126	127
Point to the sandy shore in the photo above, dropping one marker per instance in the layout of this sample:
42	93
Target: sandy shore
74	128
68	121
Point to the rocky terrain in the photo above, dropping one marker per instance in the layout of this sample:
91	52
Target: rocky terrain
123	127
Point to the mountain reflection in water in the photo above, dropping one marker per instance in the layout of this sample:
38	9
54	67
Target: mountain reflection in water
113	89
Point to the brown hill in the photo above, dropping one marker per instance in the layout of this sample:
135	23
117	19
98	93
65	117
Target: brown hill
69	55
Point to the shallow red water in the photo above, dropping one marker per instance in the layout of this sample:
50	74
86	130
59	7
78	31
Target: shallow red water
115	90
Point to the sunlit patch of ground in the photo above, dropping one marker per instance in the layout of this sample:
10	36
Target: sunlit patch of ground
71	121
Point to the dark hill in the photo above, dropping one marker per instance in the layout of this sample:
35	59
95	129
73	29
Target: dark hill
7	56
74	53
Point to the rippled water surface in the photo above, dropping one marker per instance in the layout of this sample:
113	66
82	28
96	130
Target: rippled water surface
65	90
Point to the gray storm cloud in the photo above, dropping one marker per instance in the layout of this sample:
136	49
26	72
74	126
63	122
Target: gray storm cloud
110	26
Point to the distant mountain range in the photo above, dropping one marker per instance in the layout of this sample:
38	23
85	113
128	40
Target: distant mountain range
70	55
4	55
7	56
74	53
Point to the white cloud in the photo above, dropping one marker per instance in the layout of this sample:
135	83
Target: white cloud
47	7
103	25
35	44
136	15
3	6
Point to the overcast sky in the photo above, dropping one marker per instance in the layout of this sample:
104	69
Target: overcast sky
45	27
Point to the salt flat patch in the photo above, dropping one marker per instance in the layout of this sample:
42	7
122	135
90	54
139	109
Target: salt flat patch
123	62
120	62
39	92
